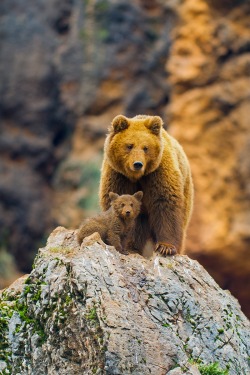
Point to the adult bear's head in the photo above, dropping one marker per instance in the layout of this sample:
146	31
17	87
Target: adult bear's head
134	146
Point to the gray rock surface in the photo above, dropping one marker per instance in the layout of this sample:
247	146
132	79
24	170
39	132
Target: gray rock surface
40	67
91	310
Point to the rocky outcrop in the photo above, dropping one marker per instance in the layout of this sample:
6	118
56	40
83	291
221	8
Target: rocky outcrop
91	310
209	114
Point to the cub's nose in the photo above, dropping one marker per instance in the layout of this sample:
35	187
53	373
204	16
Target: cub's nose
127	213
138	165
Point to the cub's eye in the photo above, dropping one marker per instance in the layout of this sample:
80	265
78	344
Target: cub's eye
129	147
122	204
145	148
131	204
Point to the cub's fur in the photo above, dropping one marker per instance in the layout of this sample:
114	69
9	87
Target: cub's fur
115	225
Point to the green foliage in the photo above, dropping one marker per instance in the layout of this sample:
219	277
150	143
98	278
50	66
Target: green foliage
83	177
89	178
5	314
165	325
220	331
92	315
7	264
97	12
60	250
101	6
212	369
32	291
7	307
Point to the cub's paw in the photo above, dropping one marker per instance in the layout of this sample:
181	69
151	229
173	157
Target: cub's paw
124	252
165	249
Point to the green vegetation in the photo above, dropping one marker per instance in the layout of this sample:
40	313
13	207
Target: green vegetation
220	331
6	312
165	325
29	319
32	292
89	178
92	315
84	177
212	369
209	369
60	250
7	262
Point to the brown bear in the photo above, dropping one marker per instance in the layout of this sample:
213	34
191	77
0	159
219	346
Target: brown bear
139	154
115	225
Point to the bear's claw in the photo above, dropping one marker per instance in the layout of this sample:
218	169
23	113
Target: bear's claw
165	249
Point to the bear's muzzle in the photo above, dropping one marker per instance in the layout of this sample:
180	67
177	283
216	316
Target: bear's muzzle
138	165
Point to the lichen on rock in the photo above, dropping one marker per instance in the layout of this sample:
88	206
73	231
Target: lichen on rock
91	310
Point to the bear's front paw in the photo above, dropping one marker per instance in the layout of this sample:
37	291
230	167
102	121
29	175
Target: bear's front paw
165	249
124	251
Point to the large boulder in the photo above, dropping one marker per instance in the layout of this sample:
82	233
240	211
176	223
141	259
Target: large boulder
91	310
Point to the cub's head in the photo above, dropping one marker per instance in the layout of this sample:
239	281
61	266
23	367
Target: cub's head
134	146
126	206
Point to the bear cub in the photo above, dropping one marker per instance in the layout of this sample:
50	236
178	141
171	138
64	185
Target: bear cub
117	224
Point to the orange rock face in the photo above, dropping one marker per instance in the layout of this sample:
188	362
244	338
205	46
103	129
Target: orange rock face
209	68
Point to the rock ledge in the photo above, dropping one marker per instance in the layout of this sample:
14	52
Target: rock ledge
91	310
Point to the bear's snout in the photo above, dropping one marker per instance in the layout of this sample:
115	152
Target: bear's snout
138	165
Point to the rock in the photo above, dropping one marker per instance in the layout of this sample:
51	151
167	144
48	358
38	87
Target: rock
40	66
208	111
90	309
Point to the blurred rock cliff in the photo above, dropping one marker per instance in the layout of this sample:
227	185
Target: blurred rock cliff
68	67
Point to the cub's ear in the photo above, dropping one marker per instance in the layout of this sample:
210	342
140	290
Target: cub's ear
138	195
119	123
113	196
155	124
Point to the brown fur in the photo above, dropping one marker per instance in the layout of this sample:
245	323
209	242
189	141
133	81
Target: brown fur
115	225
164	178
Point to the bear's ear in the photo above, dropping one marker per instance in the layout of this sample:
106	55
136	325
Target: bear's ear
155	124
138	195
113	196
119	123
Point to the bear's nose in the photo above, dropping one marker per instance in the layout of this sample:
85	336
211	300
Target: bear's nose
127	213
138	165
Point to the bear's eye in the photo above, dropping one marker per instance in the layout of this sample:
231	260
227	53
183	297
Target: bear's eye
131	204
129	147
145	148
123	204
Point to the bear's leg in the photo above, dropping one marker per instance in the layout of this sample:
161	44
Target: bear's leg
114	240
126	242
167	225
141	234
86	229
